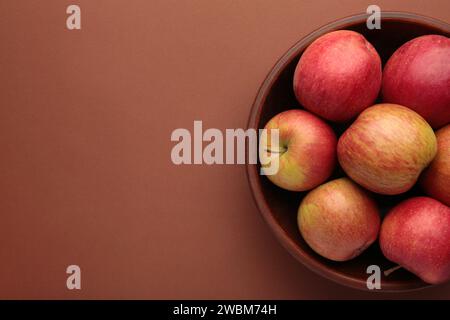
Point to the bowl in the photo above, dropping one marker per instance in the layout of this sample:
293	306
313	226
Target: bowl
279	207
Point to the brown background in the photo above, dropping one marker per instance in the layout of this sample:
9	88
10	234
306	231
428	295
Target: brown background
85	170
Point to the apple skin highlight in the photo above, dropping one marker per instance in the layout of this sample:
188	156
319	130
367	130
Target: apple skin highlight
307	154
338	76
338	220
386	148
415	234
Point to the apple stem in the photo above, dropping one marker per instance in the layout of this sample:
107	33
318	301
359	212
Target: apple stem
283	150
389	271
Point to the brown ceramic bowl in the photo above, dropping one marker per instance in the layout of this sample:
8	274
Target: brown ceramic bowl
279	207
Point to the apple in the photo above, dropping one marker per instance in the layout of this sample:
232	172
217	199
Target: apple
338	220
306	153
417	76
416	235
338	76
435	180
386	148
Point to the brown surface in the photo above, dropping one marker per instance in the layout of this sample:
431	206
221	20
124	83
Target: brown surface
85	171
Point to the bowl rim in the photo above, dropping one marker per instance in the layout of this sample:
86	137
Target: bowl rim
252	173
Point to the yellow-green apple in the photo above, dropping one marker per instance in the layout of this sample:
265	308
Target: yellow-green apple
435	180
338	219
386	148
417	76
306	152
416	235
338	75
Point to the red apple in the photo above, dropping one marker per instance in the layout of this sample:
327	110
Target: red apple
338	76
338	220
436	178
306	151
418	76
386	148
416	235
